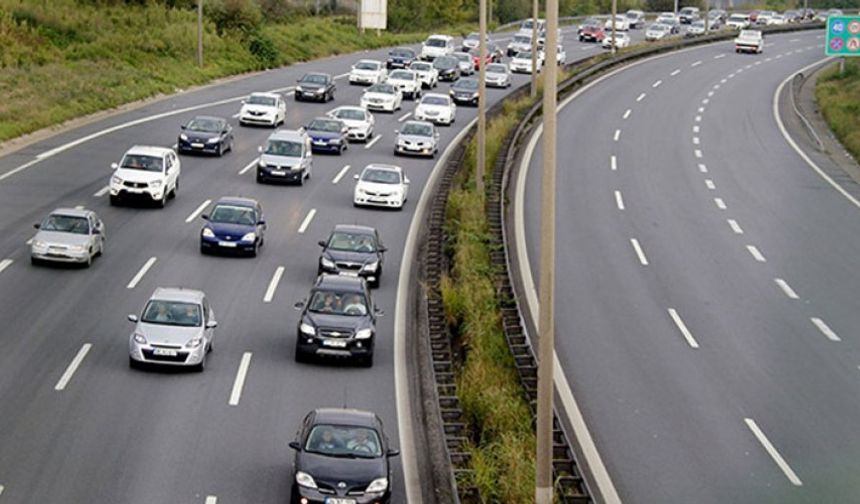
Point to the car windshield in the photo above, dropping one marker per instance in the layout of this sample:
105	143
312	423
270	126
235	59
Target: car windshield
737	17
205	125
329	126
473	36
233	214
283	148
632	15
315	79
66	224
699	24
401	53
524	55
261	100
353	114
350	304
141	162
402	75
520	39
445	63
382	88
377	176
435	42
659	27
497	69
435	100
367	65
417	129
173	313
421	67
344	441
465	57
470	84
352	242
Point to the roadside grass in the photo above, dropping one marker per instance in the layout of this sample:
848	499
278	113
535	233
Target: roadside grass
838	98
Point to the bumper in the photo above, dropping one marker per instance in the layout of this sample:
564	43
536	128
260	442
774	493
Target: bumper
387	106
186	146
273	175
437	119
358	135
370	276
64	256
146	194
307	95
362	79
334	348
463	100
260	120
218	245
395	64
498	83
313	496
378	201
326	147
414	151
166	356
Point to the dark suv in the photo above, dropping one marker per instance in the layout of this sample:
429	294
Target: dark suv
338	320
353	251
400	57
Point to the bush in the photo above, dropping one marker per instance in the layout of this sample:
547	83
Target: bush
263	48
241	15
838	96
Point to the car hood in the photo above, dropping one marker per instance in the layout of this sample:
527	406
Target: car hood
280	160
157	334
137	175
364	71
258	109
383	96
357	473
324	135
415	139
310	85
353	257
442	109
355	124
401	82
61	238
379	188
496	76
235	231
200	135
465	91
338	321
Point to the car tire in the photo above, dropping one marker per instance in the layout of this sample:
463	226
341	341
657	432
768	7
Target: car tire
203	250
366	361
210	347
114	200
199	368
163	201
175	190
89	261
34	261
101	248
133	364
301	357
220	149
255	250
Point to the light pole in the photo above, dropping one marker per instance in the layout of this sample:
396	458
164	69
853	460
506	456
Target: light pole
546	328
534	48
614	12
482	98
200	33
707	15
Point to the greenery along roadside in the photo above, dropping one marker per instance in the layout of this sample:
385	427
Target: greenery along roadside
838	98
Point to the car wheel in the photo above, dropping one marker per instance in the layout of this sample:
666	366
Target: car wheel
255	250
301	358
367	361
203	250
220	149
101	247
114	200
34	261
200	367
175	190
163	201
133	364
375	283
210	347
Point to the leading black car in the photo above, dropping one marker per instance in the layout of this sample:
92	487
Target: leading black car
213	135
315	87
353	251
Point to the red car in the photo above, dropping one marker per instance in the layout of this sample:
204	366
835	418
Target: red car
754	16
476	57
592	33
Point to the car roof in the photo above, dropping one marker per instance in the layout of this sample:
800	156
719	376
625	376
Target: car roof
439	35
345	416
369	61
237	201
382	166
149	150
209	118
283	134
340	282
267	95
72	212
420	123
438	95
317	73
353	228
180	294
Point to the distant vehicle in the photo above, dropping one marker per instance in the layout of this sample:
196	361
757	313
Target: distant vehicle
527	26
465	91
621	23
522	62
353	250
749	41
400	57
436	108
635	18
657	31
381	185
205	134
448	68
519	43
764	18
68	235
407	81
176	328
560	54
698	28
668	18
476	58
498	75
146	173
268	109
467	65
342	456
542	37
792	16
777	20
427	75
234	225
592	33
688	14
367	72
591	20
754	16
738	21
316	87
473	40
437	45
718	14
358	120
327	135
286	157
417	138
622	40
383	96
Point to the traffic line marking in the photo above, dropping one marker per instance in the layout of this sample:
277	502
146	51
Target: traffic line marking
627	114
273	285
639	252
696	128
825	329
1	489
5	263
640	97
718	56
238	384
769	448
79	207
720	203
701	109
619	201
404	117
101	192
698	118
710	184
370	143
613	163
341	76
675	72
234	116
683	328
710	93
732	75
786	288
703	168
249	166
340	174
28	242
617	135
705	101
307	221
716	86
657	84
134	281
723	81
757	255
696	141
698	153
197	211
73	366
735	226
696	63
211	499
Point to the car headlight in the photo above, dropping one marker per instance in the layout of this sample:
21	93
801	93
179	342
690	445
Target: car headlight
300	90
377	485
213	140
39	244
115	180
307	329
306	480
371	266
78	248
138	338
194	342
262	164
155	184
327	263
183	136
249	236
208	233
364	334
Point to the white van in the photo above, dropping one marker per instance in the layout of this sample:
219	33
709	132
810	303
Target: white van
437	45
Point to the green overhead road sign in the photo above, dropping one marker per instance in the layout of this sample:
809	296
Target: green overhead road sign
843	36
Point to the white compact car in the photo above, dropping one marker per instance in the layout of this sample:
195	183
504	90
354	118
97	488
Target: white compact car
749	41
437	45
407	81
381	185
621	40
738	21
148	173
498	75
657	31
358	120
428	76
560	55
418	138
267	109
436	108
519	43
621	23
383	96
522	62
465	62
367	72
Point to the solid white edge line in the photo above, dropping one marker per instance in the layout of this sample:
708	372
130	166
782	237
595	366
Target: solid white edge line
373	141
825	329
735	226
101	192
211	499
249	166
239	382
5	263
273	284
307	222
685	332
786	288
134	281
197	211
404	117
340	174
765	442
619	201
757	255
639	252
73	366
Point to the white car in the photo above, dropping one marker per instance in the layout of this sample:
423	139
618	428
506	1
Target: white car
407	82
749	41
764	18
498	75
418	138
738	21
621	23
560	55
473	40
436	108
522	62
367	72
465	62
657	31
636	18
519	43
69	235
777	20
150	173
268	109
383	96
427	74
526	27
359	122
437	45
621	40
381	185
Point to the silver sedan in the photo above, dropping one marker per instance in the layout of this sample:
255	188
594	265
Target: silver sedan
68	235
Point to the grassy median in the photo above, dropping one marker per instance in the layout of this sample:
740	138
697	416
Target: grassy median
838	96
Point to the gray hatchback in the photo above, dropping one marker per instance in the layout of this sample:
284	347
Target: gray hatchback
68	235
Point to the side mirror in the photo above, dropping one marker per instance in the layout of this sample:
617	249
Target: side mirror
261	223
383	249
356	177
393	452
260	149
322	243
114	166
299	304
132	318
378	312
212	324
405	180
295	445
396	132
182	127
37	225
205	216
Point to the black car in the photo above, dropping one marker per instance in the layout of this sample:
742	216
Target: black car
316	87
342	456
205	134
338	320
400	57
465	90
353	250
448	68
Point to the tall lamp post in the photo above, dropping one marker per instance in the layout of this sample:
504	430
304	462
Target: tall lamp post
534	48
200	33
482	98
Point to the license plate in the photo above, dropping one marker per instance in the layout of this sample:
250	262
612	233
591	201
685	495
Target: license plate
319	142
334	343
197	145
279	173
164	352
338	500
227	244
349	273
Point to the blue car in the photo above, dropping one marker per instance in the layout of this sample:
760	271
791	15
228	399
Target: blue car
327	135
234	225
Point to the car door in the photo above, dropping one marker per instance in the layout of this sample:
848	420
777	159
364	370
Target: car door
282	109
173	169
261	221
208	316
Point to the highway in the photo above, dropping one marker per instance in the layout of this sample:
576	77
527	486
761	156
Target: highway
706	283
78	425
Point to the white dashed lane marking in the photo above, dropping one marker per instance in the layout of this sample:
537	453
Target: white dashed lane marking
683	328
627	114
720	203
757	255
735	226
372	142
613	163
73	366
675	72
137	278
273	285
786	288
197	211
239	383
639	252
825	329
619	201
640	97
5	263
307	221
101	192
340	174
249	166
769	448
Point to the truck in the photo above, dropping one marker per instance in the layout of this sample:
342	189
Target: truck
749	41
